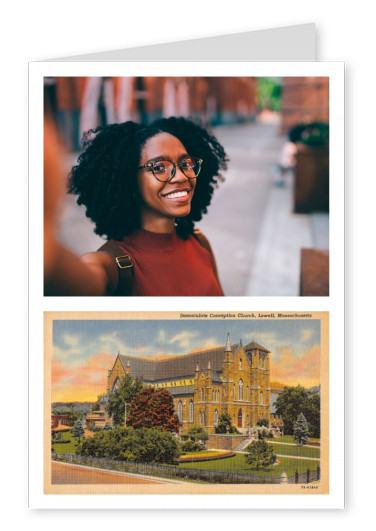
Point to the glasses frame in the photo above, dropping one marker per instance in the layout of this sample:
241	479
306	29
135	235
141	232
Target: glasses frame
150	166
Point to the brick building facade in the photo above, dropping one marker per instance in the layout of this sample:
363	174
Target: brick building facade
234	379
304	100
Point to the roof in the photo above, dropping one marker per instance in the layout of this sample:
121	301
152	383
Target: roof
184	366
255	346
182	390
62	427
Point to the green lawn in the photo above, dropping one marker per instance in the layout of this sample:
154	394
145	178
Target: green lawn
288	439
66	448
299	451
239	464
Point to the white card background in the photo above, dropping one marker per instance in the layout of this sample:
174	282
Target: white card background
341	36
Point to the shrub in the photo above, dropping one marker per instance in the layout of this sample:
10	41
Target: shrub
128	444
198	433
191	446
224	425
263	422
260	454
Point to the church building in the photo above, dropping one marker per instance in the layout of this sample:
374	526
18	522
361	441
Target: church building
233	379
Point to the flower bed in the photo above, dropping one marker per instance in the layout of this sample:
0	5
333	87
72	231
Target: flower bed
207	457
314	443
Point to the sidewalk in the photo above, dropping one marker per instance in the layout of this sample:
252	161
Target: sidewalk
276	267
255	235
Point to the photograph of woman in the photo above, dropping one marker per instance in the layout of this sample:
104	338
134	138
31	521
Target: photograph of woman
153	168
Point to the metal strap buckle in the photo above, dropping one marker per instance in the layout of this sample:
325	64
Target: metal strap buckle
124	266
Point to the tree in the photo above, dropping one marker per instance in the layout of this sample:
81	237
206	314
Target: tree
312	414
153	408
301	430
127	390
224	424
78	429
263	422
296	400
260	454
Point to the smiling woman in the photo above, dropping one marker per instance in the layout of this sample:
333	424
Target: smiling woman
144	187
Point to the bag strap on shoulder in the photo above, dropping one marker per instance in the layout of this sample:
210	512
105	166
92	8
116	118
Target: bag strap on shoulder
125	267
204	242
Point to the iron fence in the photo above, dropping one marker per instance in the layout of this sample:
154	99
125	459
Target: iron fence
178	472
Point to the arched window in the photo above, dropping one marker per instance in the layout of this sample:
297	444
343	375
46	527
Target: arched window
261	398
202	395
116	385
203	418
247	393
215	418
240	364
199	418
247	421
240	389
180	410
190	411
233	392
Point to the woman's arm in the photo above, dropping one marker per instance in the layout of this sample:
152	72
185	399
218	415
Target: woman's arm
64	272
68	274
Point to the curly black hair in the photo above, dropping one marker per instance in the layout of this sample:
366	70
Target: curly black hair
105	176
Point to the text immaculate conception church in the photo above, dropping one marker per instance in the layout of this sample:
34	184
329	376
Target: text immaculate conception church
204	384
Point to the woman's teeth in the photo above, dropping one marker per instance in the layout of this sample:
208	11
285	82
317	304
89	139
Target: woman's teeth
176	194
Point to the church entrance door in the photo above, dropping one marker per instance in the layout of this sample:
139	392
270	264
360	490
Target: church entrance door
240	418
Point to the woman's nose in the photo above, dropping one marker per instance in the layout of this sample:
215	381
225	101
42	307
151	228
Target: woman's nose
178	176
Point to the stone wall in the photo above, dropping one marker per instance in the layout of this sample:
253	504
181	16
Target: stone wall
225	442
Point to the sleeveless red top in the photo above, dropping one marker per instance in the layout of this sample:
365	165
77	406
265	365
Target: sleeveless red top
166	265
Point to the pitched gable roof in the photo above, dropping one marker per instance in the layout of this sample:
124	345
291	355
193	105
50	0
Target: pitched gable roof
253	345
184	366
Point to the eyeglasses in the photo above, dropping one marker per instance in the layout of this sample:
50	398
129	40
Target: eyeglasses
165	170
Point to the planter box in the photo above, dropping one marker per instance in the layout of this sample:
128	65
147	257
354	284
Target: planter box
311	186
314	273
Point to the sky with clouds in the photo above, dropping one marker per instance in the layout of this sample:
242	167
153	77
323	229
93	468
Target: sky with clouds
83	350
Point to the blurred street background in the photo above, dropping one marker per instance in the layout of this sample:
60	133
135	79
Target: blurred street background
268	222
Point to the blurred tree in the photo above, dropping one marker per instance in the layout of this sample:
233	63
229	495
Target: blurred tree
269	92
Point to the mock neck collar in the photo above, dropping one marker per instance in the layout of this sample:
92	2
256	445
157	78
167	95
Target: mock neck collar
153	241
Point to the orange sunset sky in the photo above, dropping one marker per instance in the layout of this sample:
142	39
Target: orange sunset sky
83	351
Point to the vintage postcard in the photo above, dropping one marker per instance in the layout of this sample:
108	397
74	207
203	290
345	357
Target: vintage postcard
186	403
